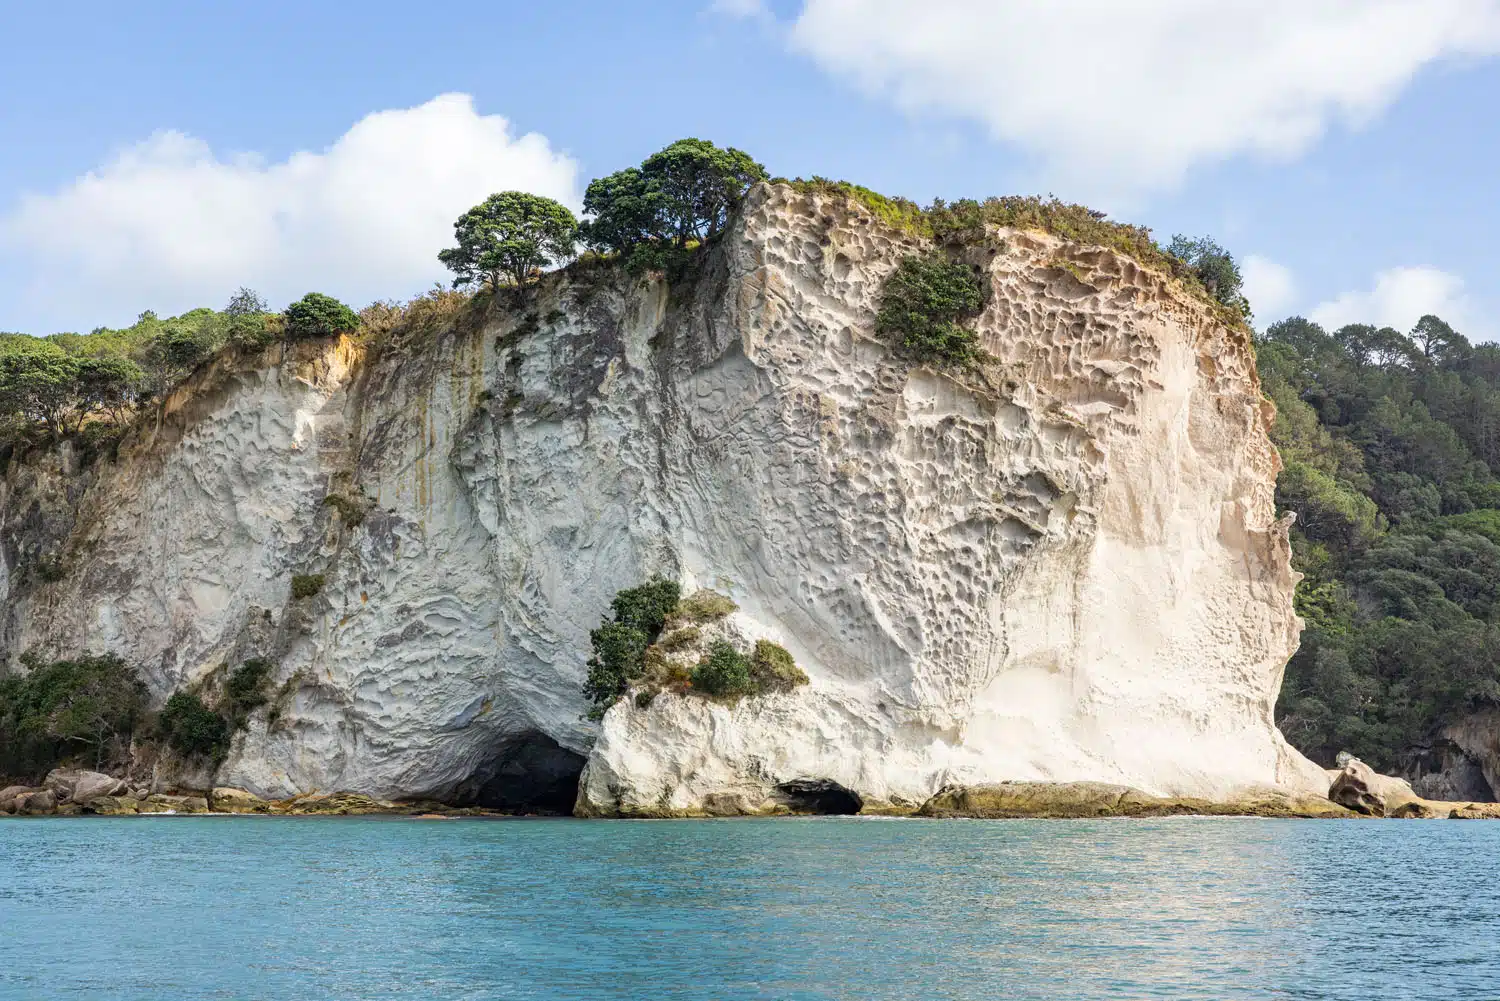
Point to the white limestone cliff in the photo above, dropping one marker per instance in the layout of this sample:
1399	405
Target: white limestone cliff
1062	567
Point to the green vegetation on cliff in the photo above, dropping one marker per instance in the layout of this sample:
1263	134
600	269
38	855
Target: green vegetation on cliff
1390	442
508	237
680	197
93	709
88	707
632	648
89	386
637	616
1204	268
923	305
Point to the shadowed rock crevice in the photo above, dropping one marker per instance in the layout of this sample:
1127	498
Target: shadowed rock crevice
819	796
528	774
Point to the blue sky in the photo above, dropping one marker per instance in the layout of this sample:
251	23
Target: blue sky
160	156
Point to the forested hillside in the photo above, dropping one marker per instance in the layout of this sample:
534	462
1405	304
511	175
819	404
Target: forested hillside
1390	441
87	387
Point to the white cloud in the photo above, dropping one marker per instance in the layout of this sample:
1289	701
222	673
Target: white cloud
1130	95
1269	287
168	225
1400	297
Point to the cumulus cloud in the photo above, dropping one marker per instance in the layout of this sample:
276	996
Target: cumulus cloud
1130	95
1401	296
169	225
1269	287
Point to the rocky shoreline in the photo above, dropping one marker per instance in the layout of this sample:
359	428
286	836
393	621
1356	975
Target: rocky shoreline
72	792
1355	791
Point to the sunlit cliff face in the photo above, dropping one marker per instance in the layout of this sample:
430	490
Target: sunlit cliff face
1062	565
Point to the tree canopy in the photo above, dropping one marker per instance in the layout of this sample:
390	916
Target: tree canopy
319	315
1389	443
509	237
91	704
69	384
52	389
680	196
1215	268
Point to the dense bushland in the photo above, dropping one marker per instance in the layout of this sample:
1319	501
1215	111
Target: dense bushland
1389	442
88	708
88	386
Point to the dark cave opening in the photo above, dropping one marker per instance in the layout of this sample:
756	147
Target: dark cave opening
531	773
820	796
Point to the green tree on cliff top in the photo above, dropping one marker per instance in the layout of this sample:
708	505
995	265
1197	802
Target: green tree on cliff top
508	237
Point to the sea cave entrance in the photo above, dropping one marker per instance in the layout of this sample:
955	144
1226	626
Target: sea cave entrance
823	797
531	773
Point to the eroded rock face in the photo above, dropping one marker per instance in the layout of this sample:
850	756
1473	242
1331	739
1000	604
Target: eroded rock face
1357	787
1360	788
1460	762
1061	568
1065	571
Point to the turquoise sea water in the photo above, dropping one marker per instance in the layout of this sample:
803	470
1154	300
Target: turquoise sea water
314	908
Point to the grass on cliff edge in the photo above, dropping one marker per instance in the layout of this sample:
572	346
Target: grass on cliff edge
966	219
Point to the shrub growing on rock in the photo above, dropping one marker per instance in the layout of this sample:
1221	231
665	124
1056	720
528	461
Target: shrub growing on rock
318	315
246	690
619	656
351	512
724	672
646	607
193	729
922	306
772	668
679	638
619	644
705	606
305	585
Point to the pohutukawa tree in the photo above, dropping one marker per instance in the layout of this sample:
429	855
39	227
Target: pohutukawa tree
319	315
509	237
1215	268
681	195
50	388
